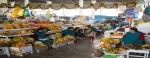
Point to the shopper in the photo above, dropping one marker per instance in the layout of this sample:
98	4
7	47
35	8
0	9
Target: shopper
92	35
41	35
133	37
80	33
76	31
101	30
69	31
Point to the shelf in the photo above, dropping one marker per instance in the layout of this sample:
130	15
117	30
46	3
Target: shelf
16	35
49	32
19	29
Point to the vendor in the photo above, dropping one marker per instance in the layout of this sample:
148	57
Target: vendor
69	31
133	37
41	35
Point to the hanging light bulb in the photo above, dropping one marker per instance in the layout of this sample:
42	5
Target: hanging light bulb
49	2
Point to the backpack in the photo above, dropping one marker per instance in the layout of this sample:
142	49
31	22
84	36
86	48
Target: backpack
147	10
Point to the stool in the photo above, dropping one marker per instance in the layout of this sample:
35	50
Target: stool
145	52
5	51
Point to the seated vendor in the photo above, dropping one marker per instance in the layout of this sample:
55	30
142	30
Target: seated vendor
133	37
68	31
41	35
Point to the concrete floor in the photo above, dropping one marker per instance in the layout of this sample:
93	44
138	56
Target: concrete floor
81	49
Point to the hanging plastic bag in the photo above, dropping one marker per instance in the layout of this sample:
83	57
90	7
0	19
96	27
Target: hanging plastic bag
26	12
15	12
21	12
147	10
48	14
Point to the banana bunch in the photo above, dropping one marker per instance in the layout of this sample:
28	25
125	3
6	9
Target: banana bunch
6	27
116	41
58	35
147	46
58	40
18	39
30	39
104	39
40	45
16	26
68	37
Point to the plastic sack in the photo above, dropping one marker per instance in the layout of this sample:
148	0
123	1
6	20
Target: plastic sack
26	12
147	10
15	12
48	14
21	12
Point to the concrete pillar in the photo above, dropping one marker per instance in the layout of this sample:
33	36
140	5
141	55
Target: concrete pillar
26	2
81	5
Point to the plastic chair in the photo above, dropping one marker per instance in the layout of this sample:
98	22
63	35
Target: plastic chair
145	52
5	51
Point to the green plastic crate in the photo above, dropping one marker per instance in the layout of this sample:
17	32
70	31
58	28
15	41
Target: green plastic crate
109	56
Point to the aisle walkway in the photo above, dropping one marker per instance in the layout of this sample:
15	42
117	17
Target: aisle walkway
81	49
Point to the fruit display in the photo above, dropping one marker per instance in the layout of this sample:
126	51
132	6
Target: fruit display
57	35
7	33
110	40
117	34
146	46
105	45
69	37
24	32
112	50
40	45
18	39
20	44
58	40
5	42
133	46
30	39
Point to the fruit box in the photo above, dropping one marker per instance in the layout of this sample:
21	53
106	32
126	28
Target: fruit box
19	52
55	45
42	49
71	42
63	43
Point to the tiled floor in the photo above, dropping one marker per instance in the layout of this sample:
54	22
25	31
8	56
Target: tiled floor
81	49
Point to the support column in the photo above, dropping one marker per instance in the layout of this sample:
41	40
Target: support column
26	2
81	5
63	11
93	14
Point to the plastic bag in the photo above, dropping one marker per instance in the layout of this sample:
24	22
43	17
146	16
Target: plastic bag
21	12
48	14
26	12
15	12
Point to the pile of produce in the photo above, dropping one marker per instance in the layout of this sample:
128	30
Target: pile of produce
21	44
110	40
112	50
137	46
40	45
65	38
57	35
5	42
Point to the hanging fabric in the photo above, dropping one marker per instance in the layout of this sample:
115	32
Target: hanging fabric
129	12
48	14
21	12
26	13
147	10
15	12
